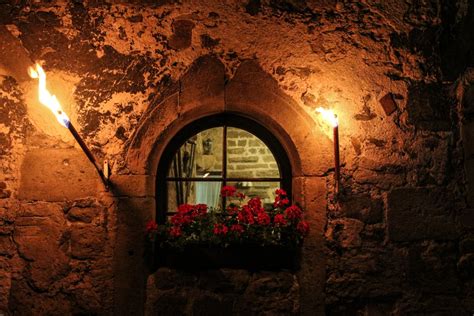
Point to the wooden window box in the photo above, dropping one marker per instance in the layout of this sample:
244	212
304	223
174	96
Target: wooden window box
248	257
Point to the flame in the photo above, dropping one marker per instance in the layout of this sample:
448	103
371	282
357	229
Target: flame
329	116
45	97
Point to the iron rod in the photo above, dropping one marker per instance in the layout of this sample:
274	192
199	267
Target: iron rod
88	153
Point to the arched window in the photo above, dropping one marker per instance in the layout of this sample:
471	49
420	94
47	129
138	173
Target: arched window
216	151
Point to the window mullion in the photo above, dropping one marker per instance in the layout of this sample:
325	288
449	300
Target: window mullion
224	162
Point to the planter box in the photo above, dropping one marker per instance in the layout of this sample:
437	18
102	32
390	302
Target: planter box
248	257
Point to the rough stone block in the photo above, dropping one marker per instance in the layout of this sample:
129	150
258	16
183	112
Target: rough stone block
207	304
132	185
6	246
467	246
13	55
57	175
82	214
87	241
362	207
38	234
388	104
431	268
420	213
468	100
428	107
466	218
345	232
5	285
129	263
202	87
141	154
468	144
167	303
466	266
468	139
182	34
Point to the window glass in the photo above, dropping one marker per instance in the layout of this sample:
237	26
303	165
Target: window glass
248	156
264	190
193	192
199	156
219	156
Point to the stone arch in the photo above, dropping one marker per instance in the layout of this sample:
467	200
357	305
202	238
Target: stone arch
252	93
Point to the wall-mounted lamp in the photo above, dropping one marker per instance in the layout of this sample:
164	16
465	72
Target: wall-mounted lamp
207	147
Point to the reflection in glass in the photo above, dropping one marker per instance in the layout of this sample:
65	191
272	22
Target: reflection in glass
264	190
248	156
199	155
195	192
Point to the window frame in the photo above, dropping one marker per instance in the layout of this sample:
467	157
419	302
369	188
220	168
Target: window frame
224	120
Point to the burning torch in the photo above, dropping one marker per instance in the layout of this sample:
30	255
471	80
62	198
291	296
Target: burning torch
51	102
330	117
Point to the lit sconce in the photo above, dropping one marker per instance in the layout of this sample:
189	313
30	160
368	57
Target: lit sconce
207	147
331	118
51	102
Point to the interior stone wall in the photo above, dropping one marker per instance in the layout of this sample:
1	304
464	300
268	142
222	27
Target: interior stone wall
397	239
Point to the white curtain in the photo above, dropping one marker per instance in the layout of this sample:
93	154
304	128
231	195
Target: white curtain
208	193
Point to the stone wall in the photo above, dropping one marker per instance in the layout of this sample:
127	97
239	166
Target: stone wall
222	292
397	239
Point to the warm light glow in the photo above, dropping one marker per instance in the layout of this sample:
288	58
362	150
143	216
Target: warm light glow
329	116
45	97
206	175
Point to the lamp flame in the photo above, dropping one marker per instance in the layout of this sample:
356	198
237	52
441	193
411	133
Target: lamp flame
45	97
329	116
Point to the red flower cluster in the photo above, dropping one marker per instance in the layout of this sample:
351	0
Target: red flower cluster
220	229
279	220
237	223
281	199
228	191
293	212
175	231
237	228
187	214
263	218
151	226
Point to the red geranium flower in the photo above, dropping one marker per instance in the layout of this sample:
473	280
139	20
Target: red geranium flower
303	228
220	229
279	219
181	219
185	209
263	218
232	209
245	215
293	212
281	201
151	226
175	231
228	190
237	228
280	192
201	209
255	204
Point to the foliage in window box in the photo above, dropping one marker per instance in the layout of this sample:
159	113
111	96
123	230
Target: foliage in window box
238	227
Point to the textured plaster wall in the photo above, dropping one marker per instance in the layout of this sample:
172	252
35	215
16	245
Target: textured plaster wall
399	238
